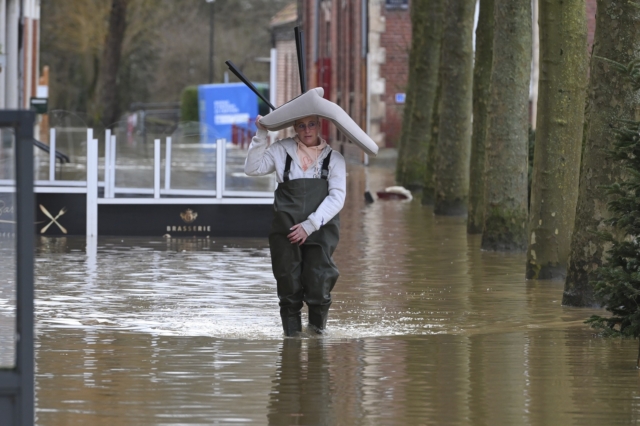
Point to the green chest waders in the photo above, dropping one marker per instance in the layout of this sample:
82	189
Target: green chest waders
303	272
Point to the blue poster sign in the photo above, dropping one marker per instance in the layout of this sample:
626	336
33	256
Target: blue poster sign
222	105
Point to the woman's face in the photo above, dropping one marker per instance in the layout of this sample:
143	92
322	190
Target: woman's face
307	130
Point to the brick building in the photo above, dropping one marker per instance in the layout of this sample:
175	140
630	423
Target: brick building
357	51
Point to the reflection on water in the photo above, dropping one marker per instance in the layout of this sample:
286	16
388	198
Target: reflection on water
425	329
8	302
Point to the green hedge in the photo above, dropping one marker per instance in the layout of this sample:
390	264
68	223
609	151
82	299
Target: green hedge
189	104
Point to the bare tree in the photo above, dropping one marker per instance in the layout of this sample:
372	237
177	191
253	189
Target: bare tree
454	138
426	17
481	84
507	142
107	102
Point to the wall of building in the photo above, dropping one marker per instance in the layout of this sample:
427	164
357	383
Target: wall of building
375	80
396	40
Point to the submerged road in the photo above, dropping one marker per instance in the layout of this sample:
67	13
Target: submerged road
425	329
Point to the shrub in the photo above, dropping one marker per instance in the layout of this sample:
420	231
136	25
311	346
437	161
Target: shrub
617	281
189	104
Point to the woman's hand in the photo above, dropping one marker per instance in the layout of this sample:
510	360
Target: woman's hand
298	236
258	125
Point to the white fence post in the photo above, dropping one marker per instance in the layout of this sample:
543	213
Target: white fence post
92	185
156	168
112	167
167	164
107	161
219	167
52	154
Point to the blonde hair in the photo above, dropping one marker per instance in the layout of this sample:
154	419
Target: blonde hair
316	116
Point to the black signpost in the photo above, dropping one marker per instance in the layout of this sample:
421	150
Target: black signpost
17	383
39	105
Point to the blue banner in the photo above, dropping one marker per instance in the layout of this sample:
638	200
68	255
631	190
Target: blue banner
222	105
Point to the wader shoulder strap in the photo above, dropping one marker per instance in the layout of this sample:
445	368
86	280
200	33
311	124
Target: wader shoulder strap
325	166
287	169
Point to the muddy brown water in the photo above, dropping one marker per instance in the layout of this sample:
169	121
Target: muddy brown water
425	329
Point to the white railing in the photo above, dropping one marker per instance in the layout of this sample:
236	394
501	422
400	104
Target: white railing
156	195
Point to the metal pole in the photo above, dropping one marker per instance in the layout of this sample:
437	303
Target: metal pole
25	211
298	33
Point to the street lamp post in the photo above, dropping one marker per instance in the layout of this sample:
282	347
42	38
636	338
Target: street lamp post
211	40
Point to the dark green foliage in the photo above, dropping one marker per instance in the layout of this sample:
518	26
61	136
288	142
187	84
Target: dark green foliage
632	70
189	104
617	284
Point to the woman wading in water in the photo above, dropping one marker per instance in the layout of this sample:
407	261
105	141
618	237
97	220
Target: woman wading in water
306	227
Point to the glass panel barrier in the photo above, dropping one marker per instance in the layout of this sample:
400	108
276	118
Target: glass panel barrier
193	157
236	180
70	140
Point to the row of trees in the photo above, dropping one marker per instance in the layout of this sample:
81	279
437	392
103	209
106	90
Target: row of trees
466	126
104	55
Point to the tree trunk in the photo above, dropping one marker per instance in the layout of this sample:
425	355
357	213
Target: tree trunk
507	143
610	98
481	85
428	189
556	162
454	138
107	108
426	21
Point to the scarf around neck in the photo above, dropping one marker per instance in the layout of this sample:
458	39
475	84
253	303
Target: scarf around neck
308	156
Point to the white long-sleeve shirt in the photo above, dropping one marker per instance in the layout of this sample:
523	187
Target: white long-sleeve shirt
263	159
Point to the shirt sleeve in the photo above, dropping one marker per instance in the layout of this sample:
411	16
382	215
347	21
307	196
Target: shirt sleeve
260	159
333	203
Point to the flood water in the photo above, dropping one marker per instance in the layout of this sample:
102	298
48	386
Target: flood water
425	329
